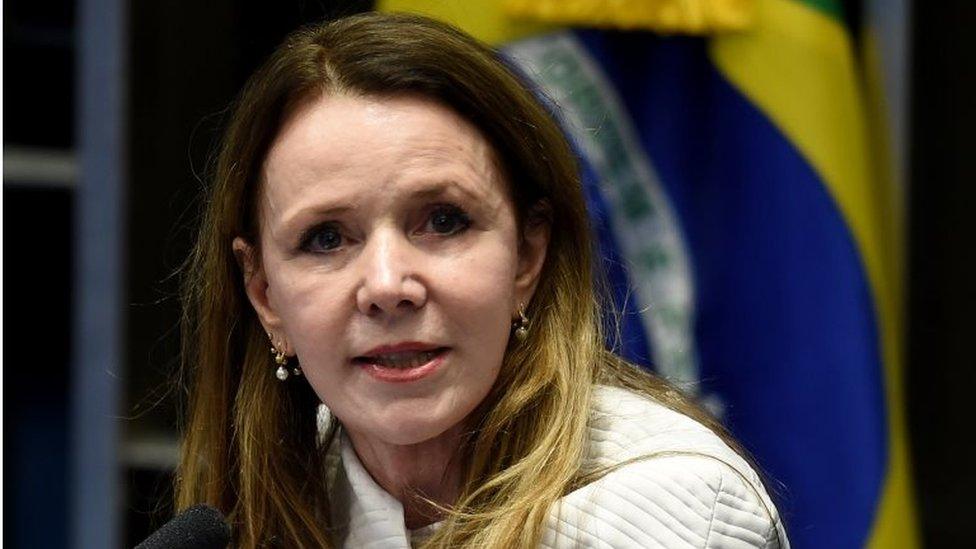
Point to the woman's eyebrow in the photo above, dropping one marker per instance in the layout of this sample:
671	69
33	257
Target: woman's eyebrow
425	191
298	217
440	188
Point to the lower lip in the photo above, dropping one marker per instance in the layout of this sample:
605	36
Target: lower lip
405	375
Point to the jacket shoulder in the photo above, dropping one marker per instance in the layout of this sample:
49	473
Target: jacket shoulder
667	501
624	425
671	482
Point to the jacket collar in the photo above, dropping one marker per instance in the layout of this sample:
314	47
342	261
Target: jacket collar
362	512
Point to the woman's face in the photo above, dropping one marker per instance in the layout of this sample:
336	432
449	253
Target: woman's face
390	262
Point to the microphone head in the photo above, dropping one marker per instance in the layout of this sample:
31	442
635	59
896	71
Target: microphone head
199	527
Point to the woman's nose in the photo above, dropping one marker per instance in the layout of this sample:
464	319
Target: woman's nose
390	281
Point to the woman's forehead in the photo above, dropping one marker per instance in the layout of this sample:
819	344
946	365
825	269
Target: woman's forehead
356	116
340	145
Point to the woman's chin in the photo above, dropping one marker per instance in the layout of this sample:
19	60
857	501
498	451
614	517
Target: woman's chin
406	431
403	427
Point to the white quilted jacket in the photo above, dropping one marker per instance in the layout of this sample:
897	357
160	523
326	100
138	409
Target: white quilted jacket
692	490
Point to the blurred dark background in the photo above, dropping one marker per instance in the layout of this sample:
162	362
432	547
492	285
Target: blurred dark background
185	62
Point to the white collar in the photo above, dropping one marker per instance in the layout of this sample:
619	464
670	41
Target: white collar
363	513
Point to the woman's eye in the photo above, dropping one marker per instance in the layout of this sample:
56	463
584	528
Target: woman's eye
322	239
448	220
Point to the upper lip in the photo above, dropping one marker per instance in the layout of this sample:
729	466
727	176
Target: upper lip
402	347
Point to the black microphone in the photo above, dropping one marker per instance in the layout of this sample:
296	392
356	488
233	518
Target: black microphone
199	527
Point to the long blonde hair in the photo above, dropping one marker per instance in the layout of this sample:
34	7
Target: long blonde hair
252	446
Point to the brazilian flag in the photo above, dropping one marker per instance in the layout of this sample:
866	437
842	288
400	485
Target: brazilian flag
752	242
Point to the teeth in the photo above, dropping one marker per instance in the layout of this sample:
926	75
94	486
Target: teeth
403	360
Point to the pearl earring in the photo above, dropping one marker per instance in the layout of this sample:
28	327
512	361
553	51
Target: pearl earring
521	324
281	360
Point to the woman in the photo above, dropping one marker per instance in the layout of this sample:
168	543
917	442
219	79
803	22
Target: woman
401	223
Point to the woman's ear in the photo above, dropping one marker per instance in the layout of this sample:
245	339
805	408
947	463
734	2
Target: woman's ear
256	284
536	232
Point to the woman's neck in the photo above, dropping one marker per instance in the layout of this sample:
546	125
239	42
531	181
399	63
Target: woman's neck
430	469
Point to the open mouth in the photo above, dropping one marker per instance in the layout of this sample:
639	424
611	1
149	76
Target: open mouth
403	360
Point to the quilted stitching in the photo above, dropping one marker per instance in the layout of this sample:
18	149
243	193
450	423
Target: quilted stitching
646	504
711	519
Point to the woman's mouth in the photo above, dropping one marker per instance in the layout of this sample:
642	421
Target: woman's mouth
401	366
400	360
